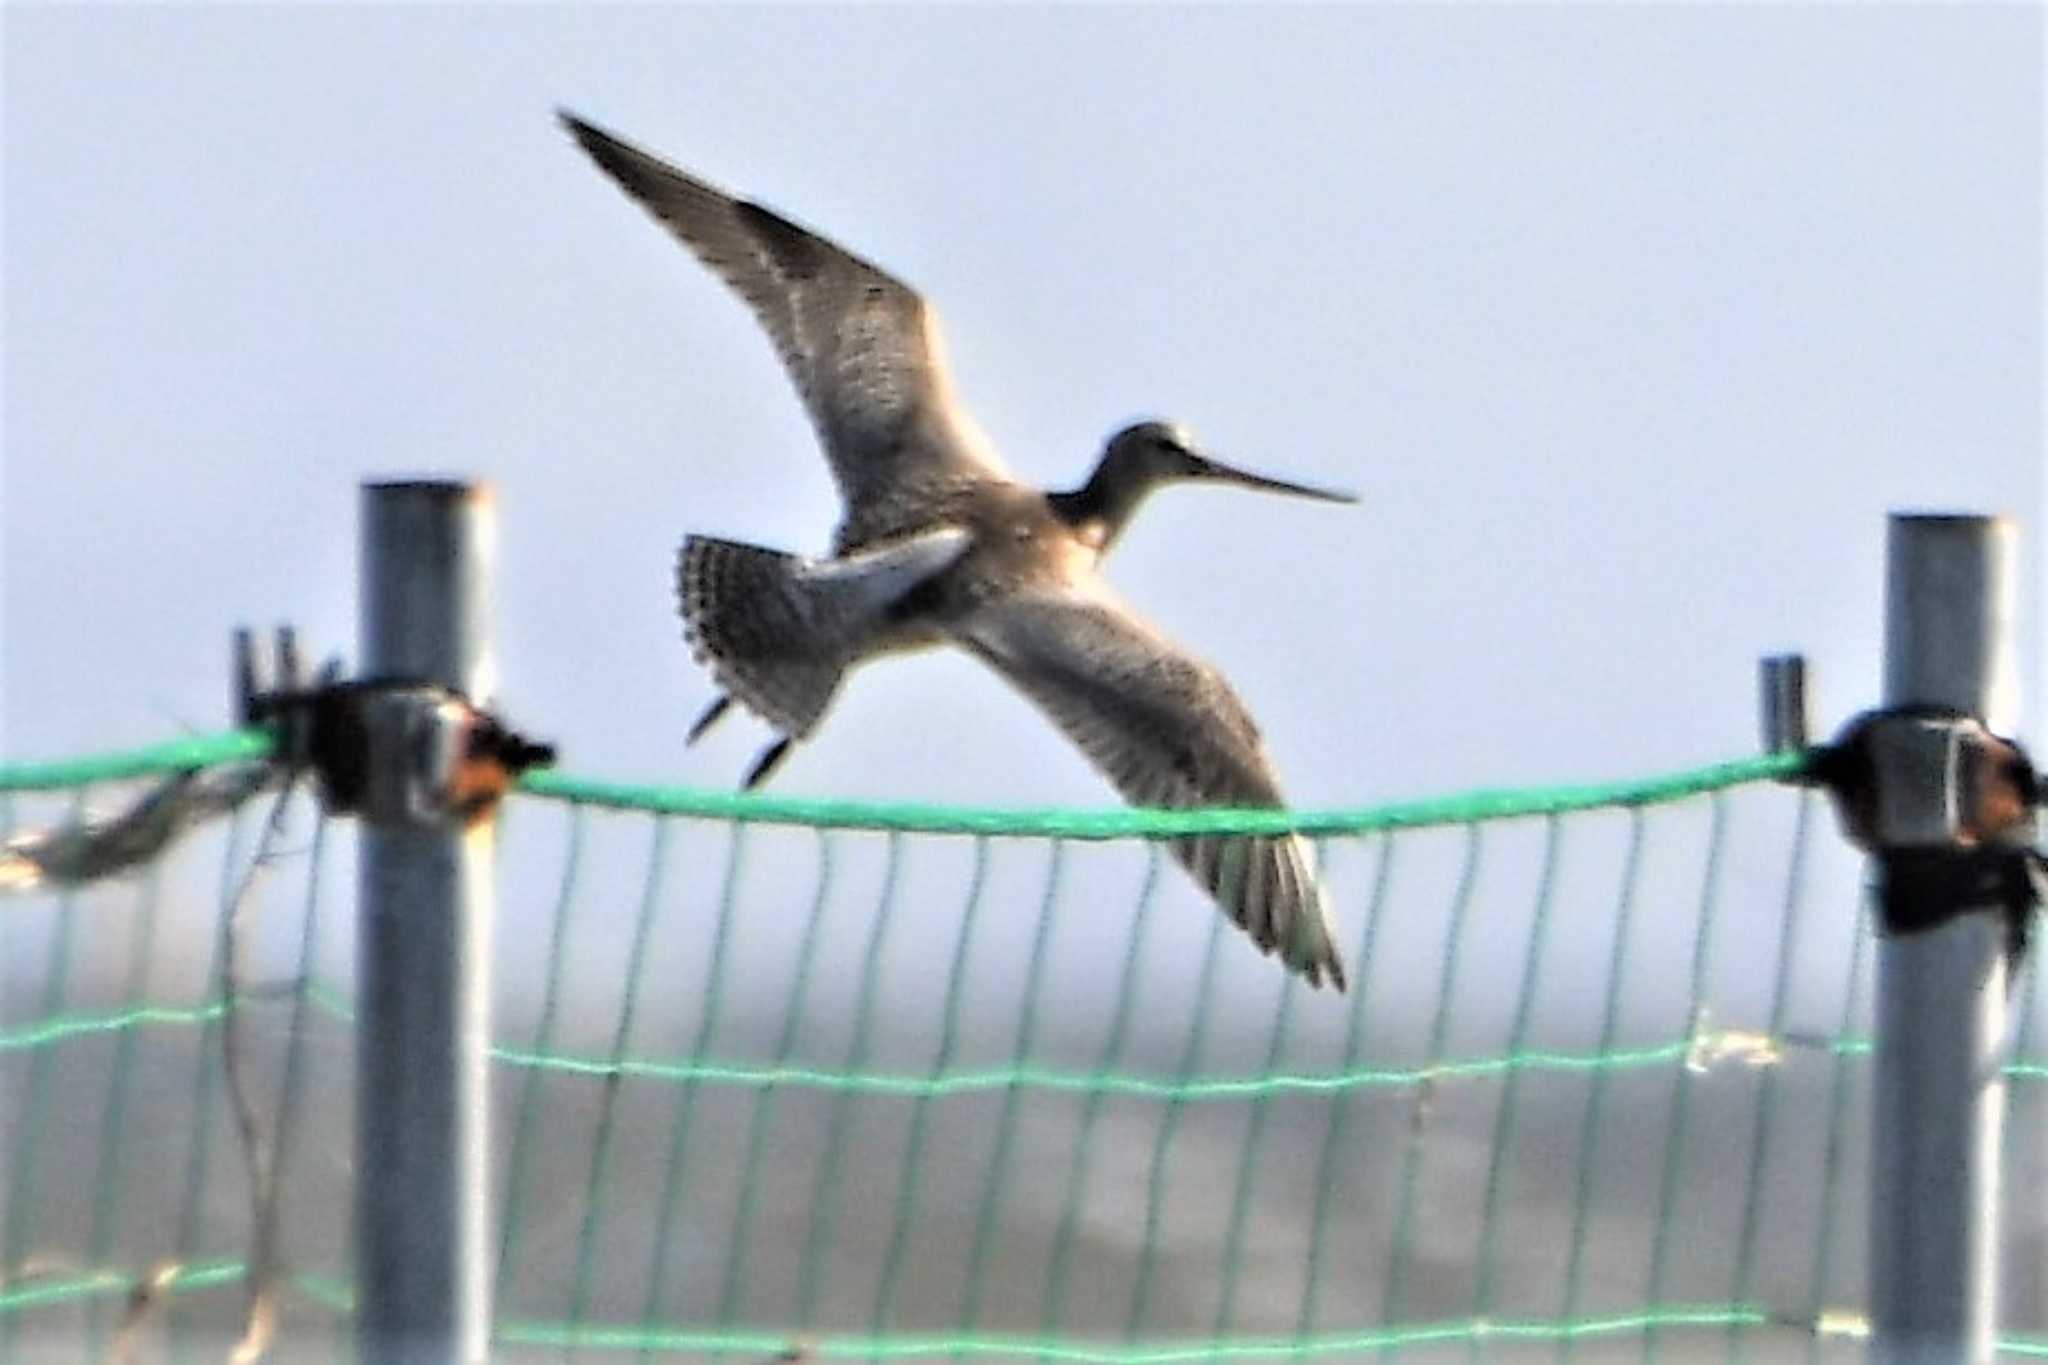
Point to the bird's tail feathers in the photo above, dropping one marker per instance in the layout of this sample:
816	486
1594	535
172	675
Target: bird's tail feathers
755	619
779	630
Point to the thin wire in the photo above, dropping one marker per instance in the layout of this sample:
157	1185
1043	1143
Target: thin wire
106	1210
989	1216
290	1099
192	1204
764	1108
825	1207
913	1147
1767	1084
1838	1114
259	1155
1439	1029
622	1035
1247	1163
24	1189
2029	1018
1681	1098
1196	1089
1589	1125
1199	1089
1504	1117
1128	981
514	1218
775	1346
203	1276
1340	1107
675	1176
1155	1183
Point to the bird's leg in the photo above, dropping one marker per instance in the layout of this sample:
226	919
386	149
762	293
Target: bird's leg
709	718
770	758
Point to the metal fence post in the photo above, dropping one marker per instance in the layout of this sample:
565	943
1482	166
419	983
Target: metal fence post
1941	992
423	950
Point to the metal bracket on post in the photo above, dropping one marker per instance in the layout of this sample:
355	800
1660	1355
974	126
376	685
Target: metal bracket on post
385	749
417	738
1781	692
1946	809
1949	808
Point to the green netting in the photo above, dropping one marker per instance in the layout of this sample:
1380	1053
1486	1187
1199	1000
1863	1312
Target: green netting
172	756
778	1073
59	1028
1045	823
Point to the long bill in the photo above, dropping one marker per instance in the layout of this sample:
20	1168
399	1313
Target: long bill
1244	478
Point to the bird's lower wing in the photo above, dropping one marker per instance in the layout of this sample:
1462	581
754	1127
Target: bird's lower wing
1168	731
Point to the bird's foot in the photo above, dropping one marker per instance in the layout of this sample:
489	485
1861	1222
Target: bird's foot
710	717
771	757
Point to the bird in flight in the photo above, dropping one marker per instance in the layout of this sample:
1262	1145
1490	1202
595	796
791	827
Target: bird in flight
940	544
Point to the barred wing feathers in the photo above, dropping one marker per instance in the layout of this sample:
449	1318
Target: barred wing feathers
862	347
1168	731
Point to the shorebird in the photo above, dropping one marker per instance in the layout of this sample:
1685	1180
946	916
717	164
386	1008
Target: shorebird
940	544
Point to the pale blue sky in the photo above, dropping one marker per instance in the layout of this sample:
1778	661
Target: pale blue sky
1629	325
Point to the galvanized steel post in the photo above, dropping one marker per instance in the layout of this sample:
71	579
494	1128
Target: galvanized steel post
423	949
1941	992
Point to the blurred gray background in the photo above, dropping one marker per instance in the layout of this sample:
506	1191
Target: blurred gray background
1629	325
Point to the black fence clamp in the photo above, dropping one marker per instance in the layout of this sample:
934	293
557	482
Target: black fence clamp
388	749
1949	809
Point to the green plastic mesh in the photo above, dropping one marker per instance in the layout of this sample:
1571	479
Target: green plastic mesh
902	1081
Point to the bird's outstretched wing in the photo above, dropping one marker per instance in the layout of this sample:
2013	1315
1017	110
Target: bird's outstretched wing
862	347
1168	731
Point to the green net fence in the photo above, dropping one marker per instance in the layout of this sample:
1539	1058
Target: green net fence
892	1081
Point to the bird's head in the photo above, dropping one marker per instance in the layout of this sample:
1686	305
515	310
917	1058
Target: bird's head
1146	454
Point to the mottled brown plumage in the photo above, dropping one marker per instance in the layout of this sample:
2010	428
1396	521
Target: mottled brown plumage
940	544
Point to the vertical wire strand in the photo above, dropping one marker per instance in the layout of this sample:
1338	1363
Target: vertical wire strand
907	1180
292	1083
1169	1119
1340	1104
256	1147
811	1273
22	1186
1681	1096
765	1105
108	1182
1518	1037
1767	1083
675	1177
1596	1095
2024	1100
1254	1140
989	1216
1091	1105
1248	1161
1439	1030
1838	1114
340	1295
622	1040
192	1205
512	1223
